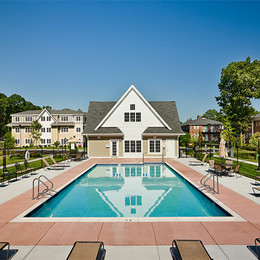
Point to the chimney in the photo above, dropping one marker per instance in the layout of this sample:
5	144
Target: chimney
198	116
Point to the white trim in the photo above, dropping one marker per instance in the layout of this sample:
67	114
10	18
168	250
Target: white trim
132	88
45	110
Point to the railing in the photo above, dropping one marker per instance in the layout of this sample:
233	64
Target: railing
206	178
162	158
47	187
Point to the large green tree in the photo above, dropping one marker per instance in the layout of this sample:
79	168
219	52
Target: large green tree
35	132
239	85
213	114
11	105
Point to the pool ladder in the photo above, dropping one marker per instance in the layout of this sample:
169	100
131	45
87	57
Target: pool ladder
206	178
47	187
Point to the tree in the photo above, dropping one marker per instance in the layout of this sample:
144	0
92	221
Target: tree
35	132
254	139
10	140
184	139
239	84
3	115
213	114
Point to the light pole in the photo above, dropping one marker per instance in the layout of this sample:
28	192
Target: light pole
258	138
4	157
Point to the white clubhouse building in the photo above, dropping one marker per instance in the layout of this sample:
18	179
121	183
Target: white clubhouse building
132	127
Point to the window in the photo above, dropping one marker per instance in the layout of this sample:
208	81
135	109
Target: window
77	118
64	118
48	129
28	141
127	150
43	130
138	117
133	146
132	107
17	118
48	118
28	119
42	118
133	117
64	129
126	117
48	141
17	141
42	141
27	130
196	127
78	129
17	130
212	128
154	146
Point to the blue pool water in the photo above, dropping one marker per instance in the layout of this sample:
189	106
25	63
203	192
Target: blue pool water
150	190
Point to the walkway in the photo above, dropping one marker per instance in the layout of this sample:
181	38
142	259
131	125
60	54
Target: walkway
130	240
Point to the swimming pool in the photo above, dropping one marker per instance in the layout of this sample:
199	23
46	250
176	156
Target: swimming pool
149	190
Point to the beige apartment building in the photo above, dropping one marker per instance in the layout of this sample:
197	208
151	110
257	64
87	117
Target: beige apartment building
57	125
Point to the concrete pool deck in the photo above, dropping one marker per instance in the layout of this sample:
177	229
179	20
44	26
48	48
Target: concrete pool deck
131	240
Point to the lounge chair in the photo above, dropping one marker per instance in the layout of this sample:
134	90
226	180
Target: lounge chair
190	250
89	250
64	164
254	189
257	240
20	171
51	167
202	162
3	245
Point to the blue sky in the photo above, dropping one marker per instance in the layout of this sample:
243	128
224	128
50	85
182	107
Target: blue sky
67	53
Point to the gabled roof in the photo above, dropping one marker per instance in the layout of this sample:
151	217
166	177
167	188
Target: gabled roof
167	110
132	88
202	121
46	111
257	116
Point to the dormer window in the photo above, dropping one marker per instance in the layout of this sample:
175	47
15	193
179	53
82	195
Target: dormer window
132	106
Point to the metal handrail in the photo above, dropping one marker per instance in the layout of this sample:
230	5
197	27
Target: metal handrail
213	175
46	191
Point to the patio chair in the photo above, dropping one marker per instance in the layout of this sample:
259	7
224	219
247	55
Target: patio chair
58	163
211	165
19	170
236	169
229	165
87	250
51	167
3	245
190	250
202	162
218	168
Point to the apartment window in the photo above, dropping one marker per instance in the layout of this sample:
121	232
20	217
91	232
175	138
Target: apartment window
27	130
43	130
48	129
154	146
27	140
132	107
48	141
133	146
196	127
64	129
78	129
17	119
28	119
42	118
77	118
212	128
64	118
132	117
17	130
42	141
48	118
17	141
